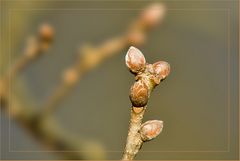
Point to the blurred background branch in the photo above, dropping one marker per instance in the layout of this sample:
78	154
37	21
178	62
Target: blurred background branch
41	124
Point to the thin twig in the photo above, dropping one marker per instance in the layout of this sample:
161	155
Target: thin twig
35	47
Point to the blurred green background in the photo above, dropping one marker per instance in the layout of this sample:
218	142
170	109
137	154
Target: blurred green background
198	102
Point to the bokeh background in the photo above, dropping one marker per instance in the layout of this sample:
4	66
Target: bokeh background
198	102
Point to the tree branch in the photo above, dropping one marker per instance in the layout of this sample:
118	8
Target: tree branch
147	76
45	130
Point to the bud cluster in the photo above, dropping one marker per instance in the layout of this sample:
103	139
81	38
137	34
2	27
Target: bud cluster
136	63
39	43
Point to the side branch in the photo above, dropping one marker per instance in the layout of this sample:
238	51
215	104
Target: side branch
45	130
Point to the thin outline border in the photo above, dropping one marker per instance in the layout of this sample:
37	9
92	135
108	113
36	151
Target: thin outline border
145	151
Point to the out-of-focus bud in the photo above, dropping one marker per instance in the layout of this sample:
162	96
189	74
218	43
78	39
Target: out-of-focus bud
153	14
151	129
139	94
70	76
136	38
46	32
135	60
162	69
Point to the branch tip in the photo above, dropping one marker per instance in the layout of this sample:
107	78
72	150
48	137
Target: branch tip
135	60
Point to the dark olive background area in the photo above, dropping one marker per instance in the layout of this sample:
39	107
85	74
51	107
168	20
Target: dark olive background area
198	102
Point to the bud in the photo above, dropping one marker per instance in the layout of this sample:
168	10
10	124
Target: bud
70	76
153	14
135	60
139	94
151	129
46	32
162	69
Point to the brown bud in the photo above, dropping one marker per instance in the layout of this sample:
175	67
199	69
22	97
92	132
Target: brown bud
161	69
139	94
153	14
135	60
46	32
151	129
